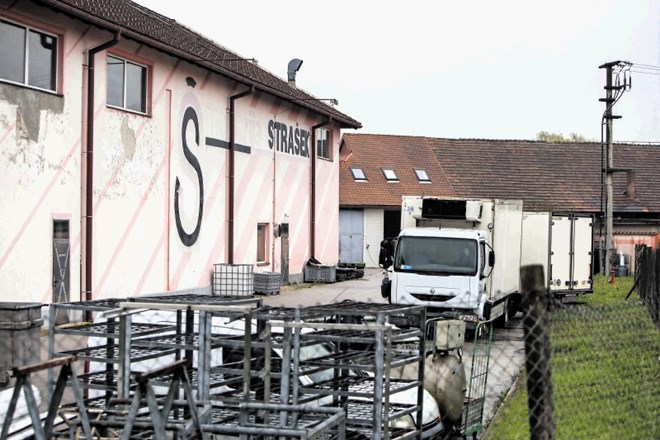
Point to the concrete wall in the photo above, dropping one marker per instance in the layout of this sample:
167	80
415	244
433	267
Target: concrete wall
138	159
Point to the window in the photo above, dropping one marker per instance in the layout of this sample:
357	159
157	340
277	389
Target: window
422	176
262	242
127	85
390	175
28	56
436	255
323	143
358	175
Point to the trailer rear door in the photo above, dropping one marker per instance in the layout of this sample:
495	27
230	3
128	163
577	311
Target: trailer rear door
571	254
583	246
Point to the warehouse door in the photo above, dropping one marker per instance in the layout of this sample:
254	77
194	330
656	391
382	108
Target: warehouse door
351	235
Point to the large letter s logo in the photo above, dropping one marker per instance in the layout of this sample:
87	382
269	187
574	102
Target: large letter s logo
189	239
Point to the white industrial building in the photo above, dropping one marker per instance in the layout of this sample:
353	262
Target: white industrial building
136	154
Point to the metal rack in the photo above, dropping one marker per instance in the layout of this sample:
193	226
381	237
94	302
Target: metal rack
358	337
127	340
261	346
79	334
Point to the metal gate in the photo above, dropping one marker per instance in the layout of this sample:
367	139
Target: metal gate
351	235
473	410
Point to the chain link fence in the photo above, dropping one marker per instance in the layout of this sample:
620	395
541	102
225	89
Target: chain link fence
591	365
578	369
647	279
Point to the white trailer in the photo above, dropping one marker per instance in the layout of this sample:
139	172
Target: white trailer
563	244
426	267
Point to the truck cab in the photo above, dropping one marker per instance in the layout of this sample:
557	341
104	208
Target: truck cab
443	269
444	258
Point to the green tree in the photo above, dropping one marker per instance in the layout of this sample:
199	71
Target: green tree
559	137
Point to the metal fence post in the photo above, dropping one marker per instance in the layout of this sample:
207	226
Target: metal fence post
537	353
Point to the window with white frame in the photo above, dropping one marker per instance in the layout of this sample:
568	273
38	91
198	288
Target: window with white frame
390	175
127	85
262	243
323	143
358	174
28	56
422	176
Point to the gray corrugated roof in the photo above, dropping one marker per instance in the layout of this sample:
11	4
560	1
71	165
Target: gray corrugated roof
155	30
549	175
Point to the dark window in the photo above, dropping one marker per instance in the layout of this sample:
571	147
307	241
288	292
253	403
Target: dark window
27	56
61	229
127	85
262	242
323	144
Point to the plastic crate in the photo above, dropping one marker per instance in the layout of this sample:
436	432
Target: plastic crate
267	283
233	279
320	274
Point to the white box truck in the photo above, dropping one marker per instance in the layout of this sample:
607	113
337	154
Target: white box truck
563	243
460	258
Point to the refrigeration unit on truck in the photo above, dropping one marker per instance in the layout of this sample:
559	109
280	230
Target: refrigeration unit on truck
459	258
563	243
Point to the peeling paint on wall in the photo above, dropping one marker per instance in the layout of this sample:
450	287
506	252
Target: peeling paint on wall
127	139
29	105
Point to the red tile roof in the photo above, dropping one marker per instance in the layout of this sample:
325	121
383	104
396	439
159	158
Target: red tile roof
165	34
546	176
403	154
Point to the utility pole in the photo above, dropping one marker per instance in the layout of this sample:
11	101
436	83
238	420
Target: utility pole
611	90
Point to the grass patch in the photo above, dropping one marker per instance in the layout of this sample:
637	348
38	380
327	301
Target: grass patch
605	371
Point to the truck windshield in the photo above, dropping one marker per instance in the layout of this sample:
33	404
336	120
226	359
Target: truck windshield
436	255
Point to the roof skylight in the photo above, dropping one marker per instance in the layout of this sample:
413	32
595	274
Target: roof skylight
422	176
358	174
390	175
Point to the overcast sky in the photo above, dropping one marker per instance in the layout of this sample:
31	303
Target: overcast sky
503	69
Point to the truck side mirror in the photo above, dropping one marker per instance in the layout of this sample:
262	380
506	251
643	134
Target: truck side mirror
386	253
491	258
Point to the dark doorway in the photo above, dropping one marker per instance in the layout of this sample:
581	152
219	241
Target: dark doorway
392	223
284	257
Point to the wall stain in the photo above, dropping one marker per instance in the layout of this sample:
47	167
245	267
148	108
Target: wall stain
128	139
29	105
27	157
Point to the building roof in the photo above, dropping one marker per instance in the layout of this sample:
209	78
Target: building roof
402	154
145	26
547	176
550	176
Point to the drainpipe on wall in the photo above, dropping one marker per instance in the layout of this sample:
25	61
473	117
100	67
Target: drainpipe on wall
88	193
312	208
232	142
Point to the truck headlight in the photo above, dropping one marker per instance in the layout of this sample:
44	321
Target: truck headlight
405	422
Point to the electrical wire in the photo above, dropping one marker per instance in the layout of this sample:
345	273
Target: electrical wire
645	69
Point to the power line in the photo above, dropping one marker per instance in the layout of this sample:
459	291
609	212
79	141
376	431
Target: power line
646	69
